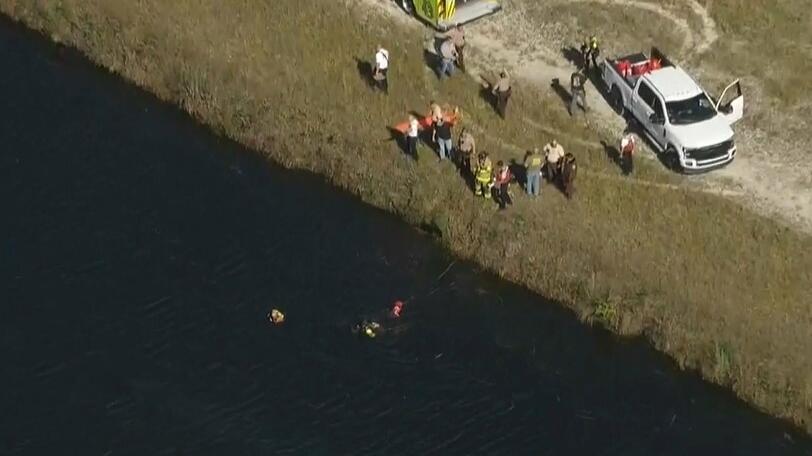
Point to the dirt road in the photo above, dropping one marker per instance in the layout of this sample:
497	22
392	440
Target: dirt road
770	175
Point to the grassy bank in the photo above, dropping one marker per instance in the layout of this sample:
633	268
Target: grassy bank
719	289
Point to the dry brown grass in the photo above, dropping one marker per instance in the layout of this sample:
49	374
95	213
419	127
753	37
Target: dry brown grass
719	289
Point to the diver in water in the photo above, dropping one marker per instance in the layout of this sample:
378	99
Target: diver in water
276	317
397	309
368	328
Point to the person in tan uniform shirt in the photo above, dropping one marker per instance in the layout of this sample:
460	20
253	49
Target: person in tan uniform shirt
457	36
502	90
467	148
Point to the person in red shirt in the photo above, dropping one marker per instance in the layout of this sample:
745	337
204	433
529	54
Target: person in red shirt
502	177
627	146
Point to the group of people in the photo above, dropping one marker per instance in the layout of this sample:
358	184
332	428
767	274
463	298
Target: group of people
371	328
559	167
450	55
590	50
487	180
367	327
491	181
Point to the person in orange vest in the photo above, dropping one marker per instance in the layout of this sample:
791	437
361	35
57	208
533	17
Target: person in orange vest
627	146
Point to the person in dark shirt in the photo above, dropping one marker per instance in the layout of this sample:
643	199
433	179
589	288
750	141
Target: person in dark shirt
442	136
577	90
568	172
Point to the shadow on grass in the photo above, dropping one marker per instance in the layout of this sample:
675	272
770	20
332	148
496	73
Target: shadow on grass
437	44
573	56
485	92
562	93
518	171
400	139
432	61
365	72
611	153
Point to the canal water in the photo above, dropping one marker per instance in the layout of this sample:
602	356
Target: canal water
140	254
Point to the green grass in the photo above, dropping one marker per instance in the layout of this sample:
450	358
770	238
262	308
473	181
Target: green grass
721	290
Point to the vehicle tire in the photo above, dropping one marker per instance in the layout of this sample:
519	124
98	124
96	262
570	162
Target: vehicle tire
617	101
407	6
671	159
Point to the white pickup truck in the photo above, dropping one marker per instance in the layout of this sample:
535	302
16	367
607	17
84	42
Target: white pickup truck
678	116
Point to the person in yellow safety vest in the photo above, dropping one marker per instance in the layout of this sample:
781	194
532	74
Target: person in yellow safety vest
589	53
532	165
483	176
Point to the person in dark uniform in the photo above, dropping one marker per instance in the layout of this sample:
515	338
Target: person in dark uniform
577	90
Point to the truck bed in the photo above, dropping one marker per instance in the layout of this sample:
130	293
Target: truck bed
635	59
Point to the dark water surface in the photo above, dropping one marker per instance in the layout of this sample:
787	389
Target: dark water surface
140	254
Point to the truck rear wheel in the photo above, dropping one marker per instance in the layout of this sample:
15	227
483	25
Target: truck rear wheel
617	101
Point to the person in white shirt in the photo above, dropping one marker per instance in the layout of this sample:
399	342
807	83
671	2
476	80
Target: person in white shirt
381	69
553	153
411	136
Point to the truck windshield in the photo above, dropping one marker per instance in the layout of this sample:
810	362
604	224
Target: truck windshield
690	111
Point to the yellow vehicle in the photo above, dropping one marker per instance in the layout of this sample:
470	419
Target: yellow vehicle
445	14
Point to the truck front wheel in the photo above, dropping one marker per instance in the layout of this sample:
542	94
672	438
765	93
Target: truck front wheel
671	159
617	101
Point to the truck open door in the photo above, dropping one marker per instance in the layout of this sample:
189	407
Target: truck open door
731	102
